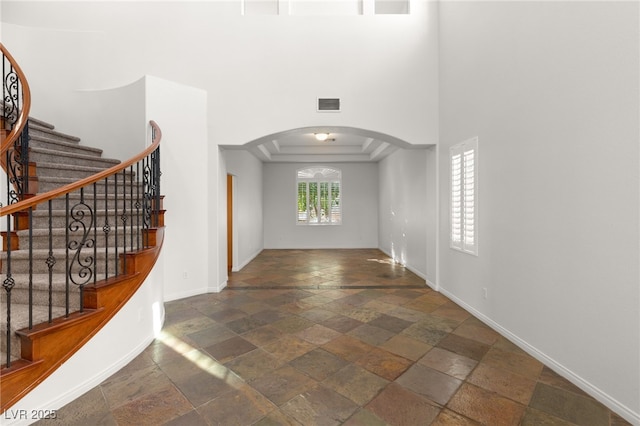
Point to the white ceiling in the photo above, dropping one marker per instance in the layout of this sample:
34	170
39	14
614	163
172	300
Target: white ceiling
345	144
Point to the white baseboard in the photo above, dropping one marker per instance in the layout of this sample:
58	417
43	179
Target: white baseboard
433	286
60	399
611	403
218	288
185	294
409	267
246	262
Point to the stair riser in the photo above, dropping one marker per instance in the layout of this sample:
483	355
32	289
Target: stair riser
21	266
63	146
15	343
71	160
46	171
40	132
41	297
45	185
60	221
42	241
111	204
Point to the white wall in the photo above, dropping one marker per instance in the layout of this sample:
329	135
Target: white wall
405	212
551	90
431	217
184	159
265	71
248	238
359	197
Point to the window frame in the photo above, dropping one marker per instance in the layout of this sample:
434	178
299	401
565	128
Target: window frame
463	196
319	180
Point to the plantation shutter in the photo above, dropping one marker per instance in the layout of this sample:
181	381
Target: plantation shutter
303	202
456	197
469	201
335	202
464	202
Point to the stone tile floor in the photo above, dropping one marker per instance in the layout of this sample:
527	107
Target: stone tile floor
328	338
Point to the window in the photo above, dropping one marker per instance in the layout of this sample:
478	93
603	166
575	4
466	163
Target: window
464	196
319	196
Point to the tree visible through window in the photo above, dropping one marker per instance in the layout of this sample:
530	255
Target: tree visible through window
319	196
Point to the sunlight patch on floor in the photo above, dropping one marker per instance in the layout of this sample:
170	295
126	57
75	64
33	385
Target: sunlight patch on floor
201	359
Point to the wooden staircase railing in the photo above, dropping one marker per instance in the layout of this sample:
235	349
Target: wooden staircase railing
45	345
14	137
104	235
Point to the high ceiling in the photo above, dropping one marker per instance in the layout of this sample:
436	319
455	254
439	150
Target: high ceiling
344	144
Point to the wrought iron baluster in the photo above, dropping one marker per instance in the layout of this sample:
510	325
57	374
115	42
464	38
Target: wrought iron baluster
95	232
82	266
51	261
24	155
115	192
146	203
8	285
138	204
131	229
106	228
66	245
158	174
124	222
30	268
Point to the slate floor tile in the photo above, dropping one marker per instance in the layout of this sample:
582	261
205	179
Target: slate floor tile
347	346
356	383
398	406
432	384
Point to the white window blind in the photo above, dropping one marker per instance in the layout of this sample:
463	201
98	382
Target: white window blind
464	190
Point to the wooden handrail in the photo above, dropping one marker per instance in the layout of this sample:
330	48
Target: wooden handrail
21	122
33	201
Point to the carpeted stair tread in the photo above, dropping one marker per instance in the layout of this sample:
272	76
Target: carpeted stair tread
47	183
57	252
36	141
60	212
20	315
20	320
40	123
62	231
40	291
89	169
45	131
70	154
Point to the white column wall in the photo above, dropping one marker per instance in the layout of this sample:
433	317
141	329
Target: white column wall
551	91
404	211
248	239
184	152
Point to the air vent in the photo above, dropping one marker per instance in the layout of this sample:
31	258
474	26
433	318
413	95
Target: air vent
328	104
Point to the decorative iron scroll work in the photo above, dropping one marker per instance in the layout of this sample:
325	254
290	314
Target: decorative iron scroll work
17	156
81	266
18	167
11	94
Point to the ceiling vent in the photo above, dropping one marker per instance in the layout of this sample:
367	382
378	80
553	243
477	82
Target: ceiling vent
328	104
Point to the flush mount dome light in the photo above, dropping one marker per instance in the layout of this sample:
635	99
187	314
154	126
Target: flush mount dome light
321	136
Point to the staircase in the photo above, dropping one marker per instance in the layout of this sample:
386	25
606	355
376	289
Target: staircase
80	234
60	160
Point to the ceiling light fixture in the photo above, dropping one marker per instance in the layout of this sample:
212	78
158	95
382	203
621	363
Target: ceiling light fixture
321	136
